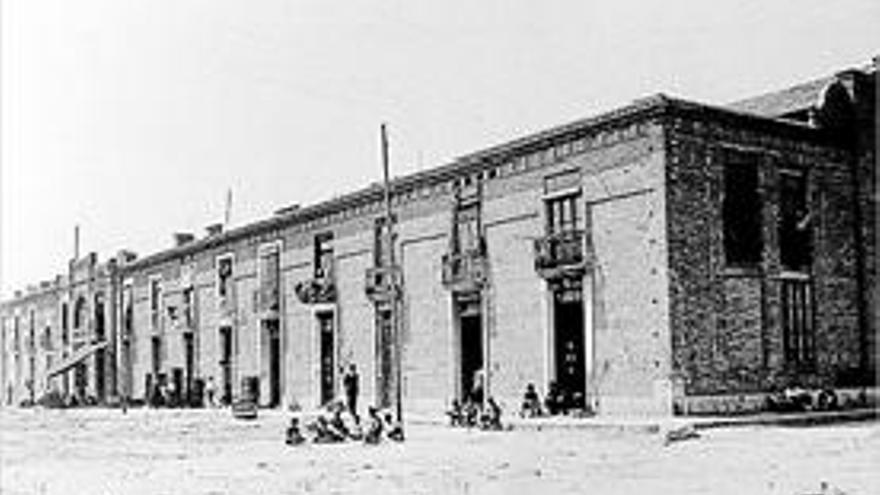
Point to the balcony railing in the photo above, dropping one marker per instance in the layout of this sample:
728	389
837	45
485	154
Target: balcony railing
383	283
465	271
560	254
319	290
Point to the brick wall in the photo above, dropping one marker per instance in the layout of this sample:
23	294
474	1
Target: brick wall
727	323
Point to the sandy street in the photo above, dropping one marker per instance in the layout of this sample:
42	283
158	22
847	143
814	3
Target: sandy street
207	452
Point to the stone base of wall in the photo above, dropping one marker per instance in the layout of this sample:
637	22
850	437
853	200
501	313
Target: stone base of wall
733	404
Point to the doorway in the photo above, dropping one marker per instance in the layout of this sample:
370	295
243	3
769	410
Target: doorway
569	355
100	374
273	342
189	359
226	365
471	349
328	361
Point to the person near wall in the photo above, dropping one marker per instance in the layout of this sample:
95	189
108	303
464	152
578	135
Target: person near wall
531	405
351	386
210	391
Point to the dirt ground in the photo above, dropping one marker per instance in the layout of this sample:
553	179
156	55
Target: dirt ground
208	452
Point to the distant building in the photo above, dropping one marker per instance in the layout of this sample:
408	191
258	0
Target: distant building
667	256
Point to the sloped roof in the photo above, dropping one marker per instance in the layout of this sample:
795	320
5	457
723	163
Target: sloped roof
783	102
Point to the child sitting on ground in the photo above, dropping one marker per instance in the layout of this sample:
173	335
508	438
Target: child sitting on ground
531	406
395	429
491	417
374	427
294	436
455	413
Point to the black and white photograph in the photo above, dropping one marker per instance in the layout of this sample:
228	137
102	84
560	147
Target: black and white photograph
491	247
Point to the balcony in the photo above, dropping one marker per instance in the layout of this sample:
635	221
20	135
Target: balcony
318	290
465	271
561	255
383	283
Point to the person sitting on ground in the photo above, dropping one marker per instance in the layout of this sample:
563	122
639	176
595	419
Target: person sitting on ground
531	406
294	436
491	417
374	427
395	429
337	424
552	400
325	432
471	413
352	425
456	414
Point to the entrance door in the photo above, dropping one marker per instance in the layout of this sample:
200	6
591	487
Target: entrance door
226	365
189	358
327	342
569	342
80	377
274	339
471	349
100	370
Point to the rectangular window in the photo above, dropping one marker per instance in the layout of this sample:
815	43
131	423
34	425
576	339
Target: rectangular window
270	271
155	301
467	227
798	328
742	212
562	214
224	276
795	248
323	255
188	307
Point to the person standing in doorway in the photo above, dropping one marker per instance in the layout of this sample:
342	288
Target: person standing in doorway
210	390
351	385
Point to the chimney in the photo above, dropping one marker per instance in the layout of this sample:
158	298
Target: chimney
214	229
124	256
181	238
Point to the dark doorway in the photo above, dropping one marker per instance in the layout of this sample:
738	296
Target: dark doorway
569	342
80	376
189	359
274	338
328	377
471	341
384	353
100	372
226	365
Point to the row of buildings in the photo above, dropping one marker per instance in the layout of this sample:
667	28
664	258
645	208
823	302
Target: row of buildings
668	256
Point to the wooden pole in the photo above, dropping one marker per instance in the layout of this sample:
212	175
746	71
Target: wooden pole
395	324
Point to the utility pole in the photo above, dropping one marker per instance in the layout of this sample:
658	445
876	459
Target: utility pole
395	326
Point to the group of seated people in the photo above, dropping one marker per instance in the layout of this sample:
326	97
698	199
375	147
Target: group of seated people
335	423
470	413
558	401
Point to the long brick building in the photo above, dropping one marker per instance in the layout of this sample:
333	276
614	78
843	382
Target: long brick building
668	256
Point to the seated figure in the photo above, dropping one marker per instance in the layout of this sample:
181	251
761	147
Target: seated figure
455	413
531	406
395	429
326	432
294	436
491	417
373	433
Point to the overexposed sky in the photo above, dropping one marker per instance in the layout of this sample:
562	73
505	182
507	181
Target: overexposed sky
132	118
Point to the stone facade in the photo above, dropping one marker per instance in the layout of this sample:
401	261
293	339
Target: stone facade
593	255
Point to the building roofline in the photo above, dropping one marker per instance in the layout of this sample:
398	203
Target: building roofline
641	109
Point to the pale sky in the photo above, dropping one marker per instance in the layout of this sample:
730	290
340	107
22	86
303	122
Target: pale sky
132	118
